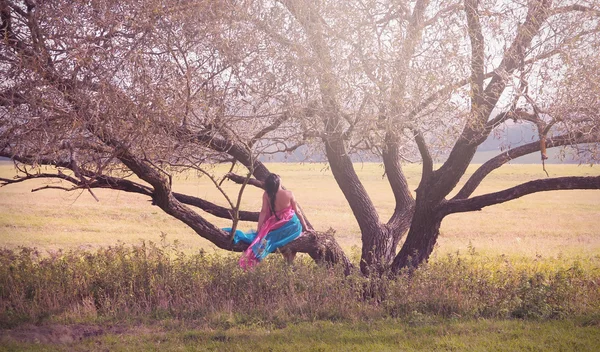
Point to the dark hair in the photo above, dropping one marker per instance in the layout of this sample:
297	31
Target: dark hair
271	187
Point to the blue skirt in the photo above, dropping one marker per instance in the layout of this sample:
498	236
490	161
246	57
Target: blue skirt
275	239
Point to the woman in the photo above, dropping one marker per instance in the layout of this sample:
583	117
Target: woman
279	223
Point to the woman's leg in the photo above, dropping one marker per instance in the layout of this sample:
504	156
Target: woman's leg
288	255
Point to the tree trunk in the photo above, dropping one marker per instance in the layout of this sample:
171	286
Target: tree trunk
376	249
374	237
421	238
379	248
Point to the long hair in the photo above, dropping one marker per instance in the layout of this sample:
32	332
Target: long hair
271	187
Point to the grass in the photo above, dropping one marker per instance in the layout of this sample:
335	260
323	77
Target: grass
159	281
385	335
154	296
119	274
548	224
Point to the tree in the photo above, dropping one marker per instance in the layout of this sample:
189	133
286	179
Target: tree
105	89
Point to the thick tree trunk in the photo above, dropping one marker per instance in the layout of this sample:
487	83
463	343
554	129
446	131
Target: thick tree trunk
379	248
376	249
421	239
374	236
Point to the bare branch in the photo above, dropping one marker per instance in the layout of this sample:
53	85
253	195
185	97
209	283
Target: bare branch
452	87
447	10
7	181
272	127
514	153
477	53
425	155
241	179
514	56
575	7
542	185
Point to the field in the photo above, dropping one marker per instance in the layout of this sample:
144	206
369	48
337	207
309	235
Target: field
520	275
546	224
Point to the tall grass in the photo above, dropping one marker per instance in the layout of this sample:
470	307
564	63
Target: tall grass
159	281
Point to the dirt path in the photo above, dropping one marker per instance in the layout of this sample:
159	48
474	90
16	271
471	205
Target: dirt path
56	333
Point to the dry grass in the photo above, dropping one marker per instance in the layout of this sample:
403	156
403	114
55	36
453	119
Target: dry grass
548	224
157	282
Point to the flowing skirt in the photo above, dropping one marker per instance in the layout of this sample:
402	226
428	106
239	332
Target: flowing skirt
272	235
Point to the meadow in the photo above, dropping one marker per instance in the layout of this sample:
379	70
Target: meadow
544	224
76	274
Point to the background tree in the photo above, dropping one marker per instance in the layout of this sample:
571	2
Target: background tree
106	89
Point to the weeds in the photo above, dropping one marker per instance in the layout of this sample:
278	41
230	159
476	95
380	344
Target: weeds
159	281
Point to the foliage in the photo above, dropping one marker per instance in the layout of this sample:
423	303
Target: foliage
157	282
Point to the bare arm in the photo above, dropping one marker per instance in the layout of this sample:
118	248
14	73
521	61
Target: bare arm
264	211
299	214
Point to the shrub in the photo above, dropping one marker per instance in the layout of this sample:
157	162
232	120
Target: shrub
153	281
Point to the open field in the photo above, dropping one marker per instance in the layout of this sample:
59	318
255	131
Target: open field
548	224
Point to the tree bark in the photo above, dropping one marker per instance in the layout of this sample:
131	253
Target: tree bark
421	239
322	248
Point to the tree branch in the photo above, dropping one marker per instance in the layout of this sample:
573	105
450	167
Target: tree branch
120	184
514	153
425	155
7	181
514	56
542	185
477	53
474	132
450	88
397	180
272	127
240	180
236	151
164	198
400	220
575	7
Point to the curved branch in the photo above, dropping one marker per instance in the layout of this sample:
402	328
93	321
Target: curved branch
399	184
425	155
272	127
120	184
514	153
548	184
236	151
165	199
240	179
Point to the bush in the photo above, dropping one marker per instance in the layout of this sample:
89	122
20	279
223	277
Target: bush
153	281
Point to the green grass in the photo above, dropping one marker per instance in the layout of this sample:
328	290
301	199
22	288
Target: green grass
384	335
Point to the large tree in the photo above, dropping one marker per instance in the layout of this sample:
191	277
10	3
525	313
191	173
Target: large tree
109	88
